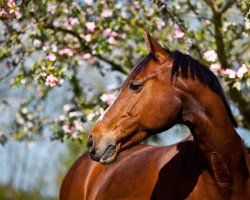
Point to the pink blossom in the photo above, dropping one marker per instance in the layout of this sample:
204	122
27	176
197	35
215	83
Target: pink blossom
73	21
111	87
230	73
75	135
13	9
90	116
11	3
86	37
88	2
90	26
66	51
46	46
86	56
111	40
106	13
67	128
207	22
122	35
52	81
18	14
113	34
241	71
215	67
67	25
3	13
67	107
210	55
106	32
73	129
51	57
82	36
78	125
178	32
75	114
108	98
54	47
109	33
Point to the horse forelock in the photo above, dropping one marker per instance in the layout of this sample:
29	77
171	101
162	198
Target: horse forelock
141	65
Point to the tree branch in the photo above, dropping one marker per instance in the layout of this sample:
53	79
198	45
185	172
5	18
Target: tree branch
193	8
114	65
60	29
8	74
86	48
218	26
229	4
164	12
211	4
242	104
235	95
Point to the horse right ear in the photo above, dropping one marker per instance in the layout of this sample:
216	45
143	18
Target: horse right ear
155	48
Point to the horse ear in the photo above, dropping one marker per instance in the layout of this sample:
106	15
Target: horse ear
155	48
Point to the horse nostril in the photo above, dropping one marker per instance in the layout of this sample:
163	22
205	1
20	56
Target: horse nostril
90	142
92	151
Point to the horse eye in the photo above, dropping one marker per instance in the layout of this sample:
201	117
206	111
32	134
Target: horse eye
135	86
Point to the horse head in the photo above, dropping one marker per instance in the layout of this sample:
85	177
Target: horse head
147	104
165	88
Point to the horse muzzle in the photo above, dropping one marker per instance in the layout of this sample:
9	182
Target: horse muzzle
105	155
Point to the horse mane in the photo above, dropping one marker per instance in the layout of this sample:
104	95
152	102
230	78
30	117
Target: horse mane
188	66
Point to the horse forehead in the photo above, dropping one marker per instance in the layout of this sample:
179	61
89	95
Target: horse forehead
151	68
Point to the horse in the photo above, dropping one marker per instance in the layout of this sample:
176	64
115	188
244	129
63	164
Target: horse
165	88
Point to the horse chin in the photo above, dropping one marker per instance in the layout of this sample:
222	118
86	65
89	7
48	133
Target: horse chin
134	140
110	155
112	152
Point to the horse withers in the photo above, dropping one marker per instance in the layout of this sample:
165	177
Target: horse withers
164	89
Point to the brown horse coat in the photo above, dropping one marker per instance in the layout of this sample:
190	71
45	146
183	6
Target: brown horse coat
143	172
164	89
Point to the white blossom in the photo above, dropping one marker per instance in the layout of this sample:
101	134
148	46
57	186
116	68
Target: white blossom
247	24
52	81
210	55
37	43
107	13
108	98
51	57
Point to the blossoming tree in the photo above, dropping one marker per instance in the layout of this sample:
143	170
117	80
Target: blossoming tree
44	44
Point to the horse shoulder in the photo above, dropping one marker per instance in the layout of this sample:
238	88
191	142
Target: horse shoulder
73	183
132	176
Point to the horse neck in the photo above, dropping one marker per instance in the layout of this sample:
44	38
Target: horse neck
210	125
206	116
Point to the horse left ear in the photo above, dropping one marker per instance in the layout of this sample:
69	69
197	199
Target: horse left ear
155	48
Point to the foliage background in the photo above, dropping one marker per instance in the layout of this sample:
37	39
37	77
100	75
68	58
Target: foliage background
62	63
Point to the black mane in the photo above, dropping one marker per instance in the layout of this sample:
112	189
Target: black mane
188	66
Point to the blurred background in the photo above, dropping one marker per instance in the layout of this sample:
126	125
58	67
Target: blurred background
63	62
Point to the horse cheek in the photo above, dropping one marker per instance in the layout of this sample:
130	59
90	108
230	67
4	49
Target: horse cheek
168	111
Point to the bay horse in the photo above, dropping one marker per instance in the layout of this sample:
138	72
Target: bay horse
164	89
